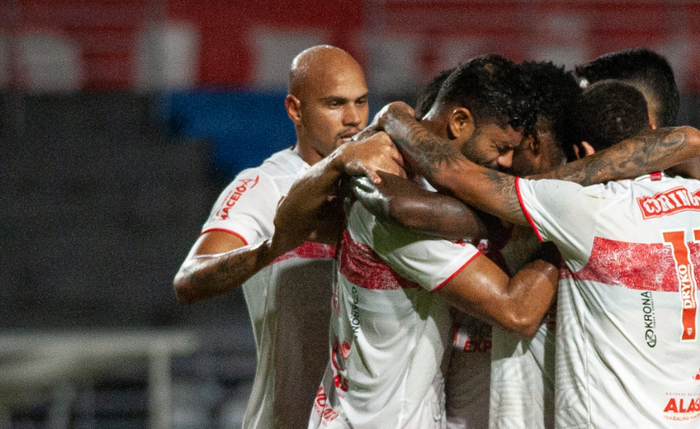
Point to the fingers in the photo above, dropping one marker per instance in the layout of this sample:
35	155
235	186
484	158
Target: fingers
378	153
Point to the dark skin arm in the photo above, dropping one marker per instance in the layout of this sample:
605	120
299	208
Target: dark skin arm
516	305
220	262
689	169
312	210
481	288
448	170
403	201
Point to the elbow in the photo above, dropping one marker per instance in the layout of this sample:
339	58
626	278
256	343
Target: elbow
524	325
693	138
183	290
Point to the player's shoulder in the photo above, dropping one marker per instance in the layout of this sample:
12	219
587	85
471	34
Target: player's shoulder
280	170
282	163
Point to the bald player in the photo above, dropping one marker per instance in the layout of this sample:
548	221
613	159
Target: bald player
287	294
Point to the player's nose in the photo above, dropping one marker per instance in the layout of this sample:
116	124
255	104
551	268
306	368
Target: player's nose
506	160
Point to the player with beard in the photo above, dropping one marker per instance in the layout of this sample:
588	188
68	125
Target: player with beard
623	380
287	294
389	332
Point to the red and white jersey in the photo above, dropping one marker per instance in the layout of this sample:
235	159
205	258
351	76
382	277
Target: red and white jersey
522	369
627	347
389	330
288	301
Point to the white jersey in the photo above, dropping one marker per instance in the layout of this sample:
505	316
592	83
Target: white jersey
522	369
627	349
388	331
288	301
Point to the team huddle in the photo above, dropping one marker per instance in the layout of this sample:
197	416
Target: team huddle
518	250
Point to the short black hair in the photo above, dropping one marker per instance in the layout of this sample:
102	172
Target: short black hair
645	69
608	112
491	87
426	97
553	94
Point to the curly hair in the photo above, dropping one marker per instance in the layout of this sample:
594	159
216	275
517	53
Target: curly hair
491	87
647	70
553	93
426	97
608	112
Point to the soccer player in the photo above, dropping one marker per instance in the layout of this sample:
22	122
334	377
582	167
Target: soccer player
389	332
629	246
651	74
287	295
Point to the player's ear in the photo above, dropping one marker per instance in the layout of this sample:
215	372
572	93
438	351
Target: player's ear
652	124
587	148
531	143
293	107
461	123
584	149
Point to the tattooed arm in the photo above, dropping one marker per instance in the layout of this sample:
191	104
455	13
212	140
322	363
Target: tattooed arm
653	150
447	169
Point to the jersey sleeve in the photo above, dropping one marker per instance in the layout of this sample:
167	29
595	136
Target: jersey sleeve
246	207
428	261
559	211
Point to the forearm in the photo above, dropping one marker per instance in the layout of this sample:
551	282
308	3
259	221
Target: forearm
654	150
429	155
530	294
403	201
449	171
203	277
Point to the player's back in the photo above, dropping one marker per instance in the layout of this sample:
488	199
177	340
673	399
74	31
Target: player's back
627	347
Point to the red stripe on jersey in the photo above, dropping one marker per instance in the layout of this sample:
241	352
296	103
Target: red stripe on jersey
525	212
640	266
309	250
365	268
447	280
245	242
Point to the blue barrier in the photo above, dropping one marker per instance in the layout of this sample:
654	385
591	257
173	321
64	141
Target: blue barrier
244	127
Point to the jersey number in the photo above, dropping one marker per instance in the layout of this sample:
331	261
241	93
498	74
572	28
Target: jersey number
686	280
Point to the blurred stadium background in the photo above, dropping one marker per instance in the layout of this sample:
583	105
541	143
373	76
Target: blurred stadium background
122	120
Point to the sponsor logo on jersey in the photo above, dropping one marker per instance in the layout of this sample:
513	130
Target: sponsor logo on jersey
322	407
473	337
234	195
686	281
339	353
649	318
682	407
354	311
669	202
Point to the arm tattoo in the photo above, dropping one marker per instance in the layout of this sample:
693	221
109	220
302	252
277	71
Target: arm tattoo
423	150
503	190
652	151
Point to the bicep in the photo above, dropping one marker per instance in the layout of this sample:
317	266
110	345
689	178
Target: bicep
433	214
477	289
214	242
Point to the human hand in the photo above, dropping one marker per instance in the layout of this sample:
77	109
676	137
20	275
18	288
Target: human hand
381	116
366	157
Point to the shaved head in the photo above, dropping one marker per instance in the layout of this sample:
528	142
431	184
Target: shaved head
319	64
327	100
